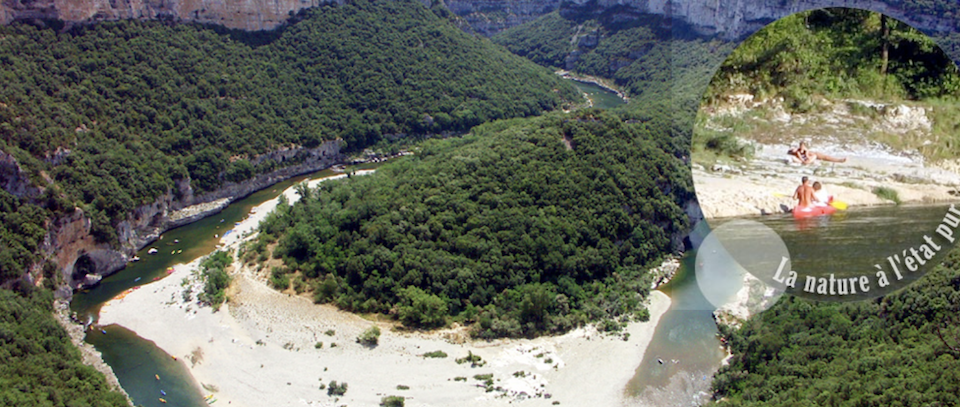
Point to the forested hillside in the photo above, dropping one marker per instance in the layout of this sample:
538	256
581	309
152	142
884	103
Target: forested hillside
901	350
837	53
39	366
663	72
810	62
113	113
523	227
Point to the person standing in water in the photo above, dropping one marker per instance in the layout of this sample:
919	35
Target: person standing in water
804	193
807	157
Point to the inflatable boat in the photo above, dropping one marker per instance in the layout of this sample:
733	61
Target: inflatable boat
812	210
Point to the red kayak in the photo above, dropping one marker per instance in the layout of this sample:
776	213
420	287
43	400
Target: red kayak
808	211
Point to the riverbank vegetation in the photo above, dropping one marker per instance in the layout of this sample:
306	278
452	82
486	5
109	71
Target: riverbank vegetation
213	270
837	53
662	71
523	227
900	350
39	366
109	116
809	62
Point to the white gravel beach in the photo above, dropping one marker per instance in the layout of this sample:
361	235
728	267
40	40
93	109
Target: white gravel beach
260	349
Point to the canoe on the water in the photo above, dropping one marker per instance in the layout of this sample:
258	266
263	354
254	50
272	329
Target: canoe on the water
808	211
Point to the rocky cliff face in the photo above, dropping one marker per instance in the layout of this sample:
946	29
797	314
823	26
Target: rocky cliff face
251	15
734	19
727	18
488	17
84	261
13	179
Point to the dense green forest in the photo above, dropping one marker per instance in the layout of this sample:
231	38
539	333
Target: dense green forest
507	228
814	59
900	350
663	72
139	105
39	366
837	53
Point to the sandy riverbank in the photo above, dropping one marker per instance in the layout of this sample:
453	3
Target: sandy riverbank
284	368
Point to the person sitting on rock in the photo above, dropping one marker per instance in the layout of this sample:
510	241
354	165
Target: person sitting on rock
807	157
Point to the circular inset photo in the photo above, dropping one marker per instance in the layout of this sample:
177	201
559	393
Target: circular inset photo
834	132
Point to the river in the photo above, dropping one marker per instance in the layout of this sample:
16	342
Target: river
136	361
679	362
601	97
685	339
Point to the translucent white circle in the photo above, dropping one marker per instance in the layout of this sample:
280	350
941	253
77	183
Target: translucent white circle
737	267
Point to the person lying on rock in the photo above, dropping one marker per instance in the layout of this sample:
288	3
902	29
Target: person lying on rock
806	157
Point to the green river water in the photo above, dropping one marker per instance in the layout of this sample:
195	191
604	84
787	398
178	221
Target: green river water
601	97
686	339
678	364
135	360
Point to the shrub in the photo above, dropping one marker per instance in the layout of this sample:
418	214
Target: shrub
403	387
475	361
392	401
889	194
370	337
318	345
334	389
435	354
213	270
421	309
279	279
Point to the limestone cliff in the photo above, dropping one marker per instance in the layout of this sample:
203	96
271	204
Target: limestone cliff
734	19
727	18
488	17
251	15
83	260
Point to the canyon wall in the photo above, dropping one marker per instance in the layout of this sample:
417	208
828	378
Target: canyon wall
733	19
83	261
727	18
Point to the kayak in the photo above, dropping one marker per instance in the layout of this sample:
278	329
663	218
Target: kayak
808	211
